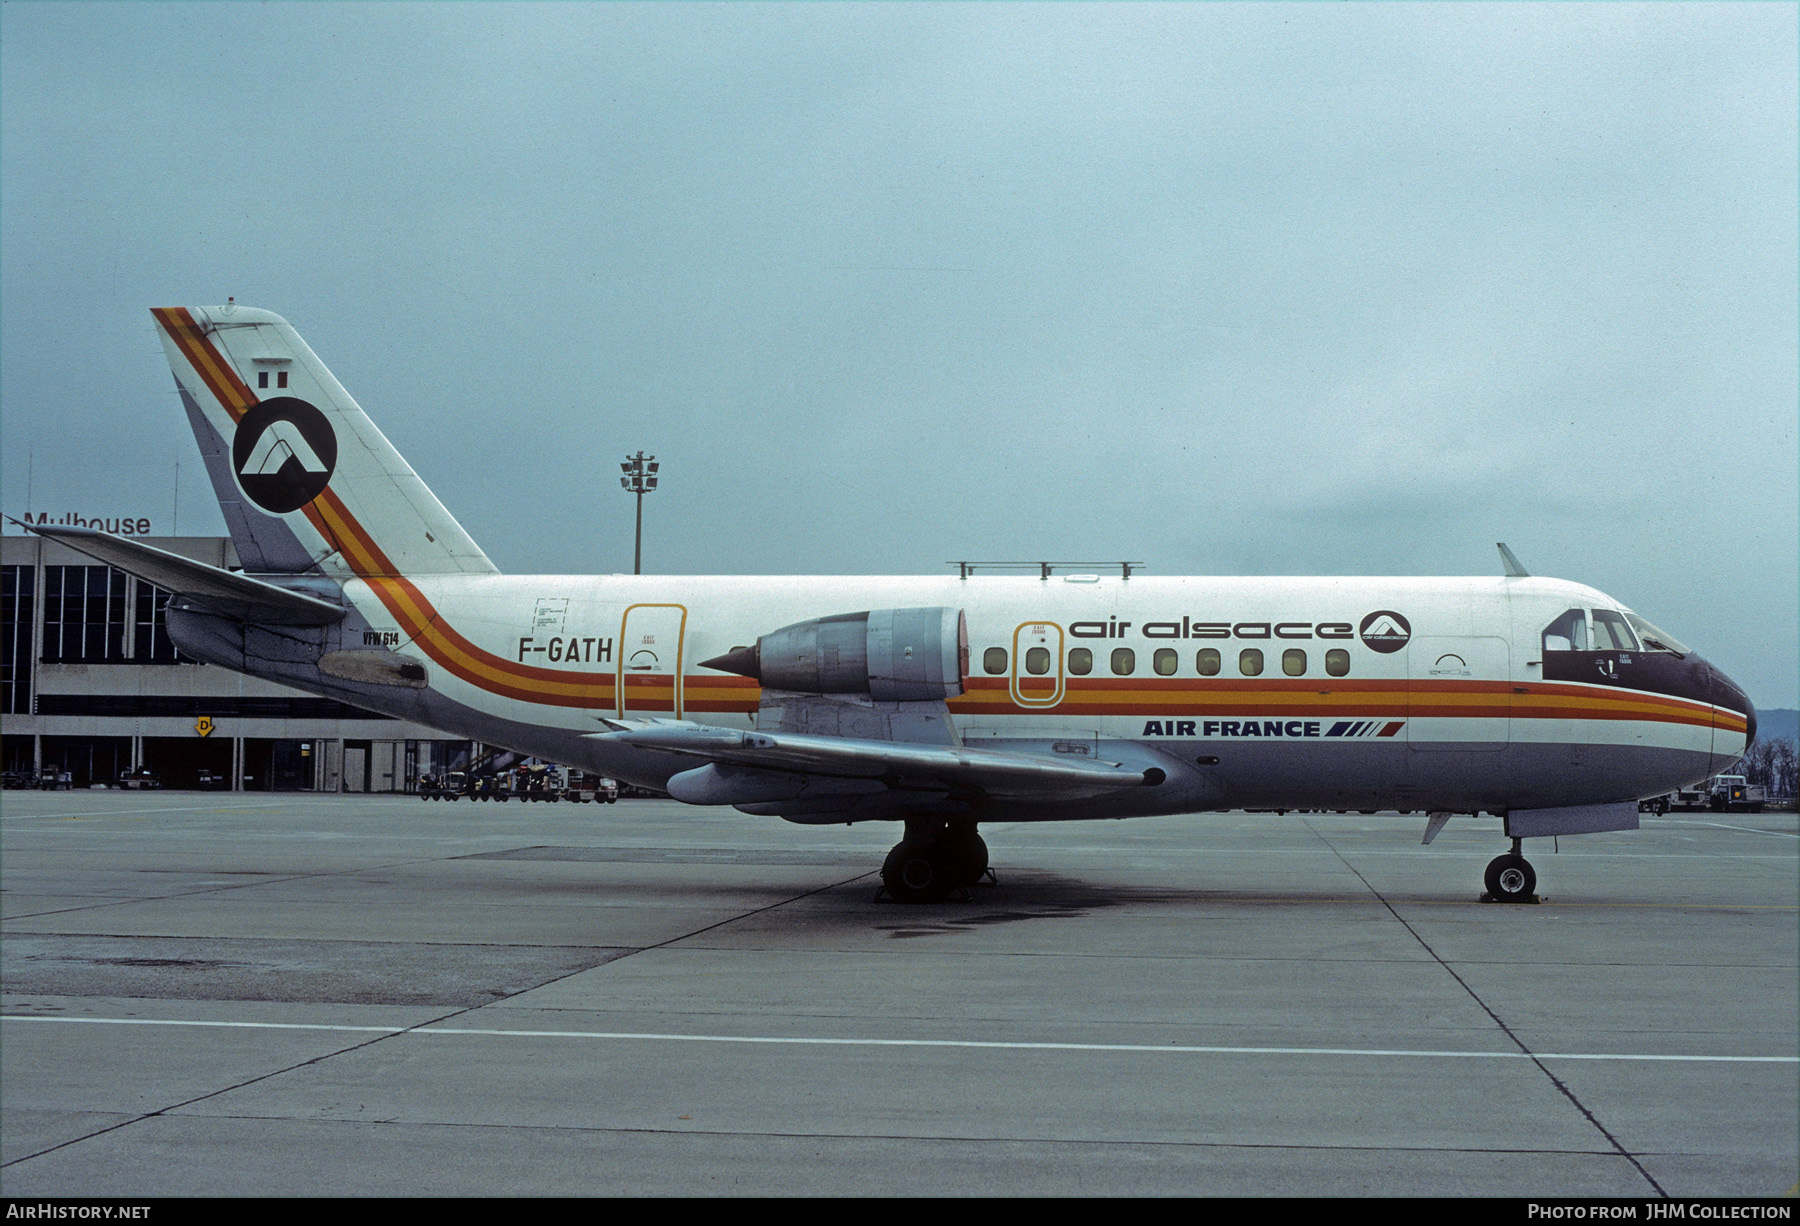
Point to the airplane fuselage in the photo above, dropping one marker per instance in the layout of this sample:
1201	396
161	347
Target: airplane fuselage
1336	692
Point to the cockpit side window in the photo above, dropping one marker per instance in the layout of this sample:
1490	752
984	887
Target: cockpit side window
1611	633
1568	632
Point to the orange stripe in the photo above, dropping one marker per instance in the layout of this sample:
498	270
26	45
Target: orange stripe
230	391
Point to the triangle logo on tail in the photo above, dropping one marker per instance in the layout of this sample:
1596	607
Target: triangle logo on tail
280	443
284	453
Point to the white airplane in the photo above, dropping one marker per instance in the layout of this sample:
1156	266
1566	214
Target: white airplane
940	703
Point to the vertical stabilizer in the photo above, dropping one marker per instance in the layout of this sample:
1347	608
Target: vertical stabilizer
304	478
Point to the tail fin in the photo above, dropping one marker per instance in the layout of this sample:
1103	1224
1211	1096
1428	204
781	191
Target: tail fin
304	478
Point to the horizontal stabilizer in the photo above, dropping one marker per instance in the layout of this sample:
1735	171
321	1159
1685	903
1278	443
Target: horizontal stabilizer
990	772
225	591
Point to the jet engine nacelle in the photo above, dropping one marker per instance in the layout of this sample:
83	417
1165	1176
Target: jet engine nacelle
892	655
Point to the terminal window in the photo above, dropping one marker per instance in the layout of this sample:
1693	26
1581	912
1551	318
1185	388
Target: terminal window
18	585
84	614
151	643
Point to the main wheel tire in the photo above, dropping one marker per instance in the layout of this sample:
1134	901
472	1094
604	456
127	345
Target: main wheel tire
917	874
967	856
1511	878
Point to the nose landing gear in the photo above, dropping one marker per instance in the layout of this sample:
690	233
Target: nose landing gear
1510	878
935	858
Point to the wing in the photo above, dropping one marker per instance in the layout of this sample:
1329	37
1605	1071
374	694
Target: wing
789	773
228	592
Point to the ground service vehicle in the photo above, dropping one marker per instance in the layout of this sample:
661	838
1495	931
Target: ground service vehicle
937	703
583	787
1720	794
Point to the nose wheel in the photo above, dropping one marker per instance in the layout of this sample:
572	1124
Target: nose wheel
1510	878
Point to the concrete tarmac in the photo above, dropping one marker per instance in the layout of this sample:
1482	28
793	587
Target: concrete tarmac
287	995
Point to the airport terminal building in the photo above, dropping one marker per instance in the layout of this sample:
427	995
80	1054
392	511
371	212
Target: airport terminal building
91	686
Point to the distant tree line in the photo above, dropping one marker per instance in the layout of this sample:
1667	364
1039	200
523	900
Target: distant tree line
1772	763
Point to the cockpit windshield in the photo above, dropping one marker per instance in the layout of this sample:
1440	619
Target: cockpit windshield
1606	630
1654	639
1611	633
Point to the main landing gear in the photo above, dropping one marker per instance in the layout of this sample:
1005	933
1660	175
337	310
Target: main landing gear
934	858
1510	878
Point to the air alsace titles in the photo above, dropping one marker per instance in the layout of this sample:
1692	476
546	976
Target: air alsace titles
1384	631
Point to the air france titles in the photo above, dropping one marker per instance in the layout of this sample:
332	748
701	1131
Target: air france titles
1262	729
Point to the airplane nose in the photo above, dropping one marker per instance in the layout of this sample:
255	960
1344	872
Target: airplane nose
1727	693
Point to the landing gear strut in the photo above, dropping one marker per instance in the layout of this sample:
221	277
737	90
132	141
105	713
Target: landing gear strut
933	859
1510	878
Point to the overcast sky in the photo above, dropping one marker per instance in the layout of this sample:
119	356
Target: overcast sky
1257	289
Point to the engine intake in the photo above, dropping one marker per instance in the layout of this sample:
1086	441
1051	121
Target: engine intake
892	655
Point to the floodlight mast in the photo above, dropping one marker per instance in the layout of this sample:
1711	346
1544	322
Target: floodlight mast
639	479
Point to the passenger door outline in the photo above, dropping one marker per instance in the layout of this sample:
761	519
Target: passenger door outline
1463	685
645	671
1037	691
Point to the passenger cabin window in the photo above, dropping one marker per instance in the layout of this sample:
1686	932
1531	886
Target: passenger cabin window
1207	662
1568	632
1611	633
1124	661
1337	662
1037	661
1293	662
994	661
1081	661
1250	662
1164	661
